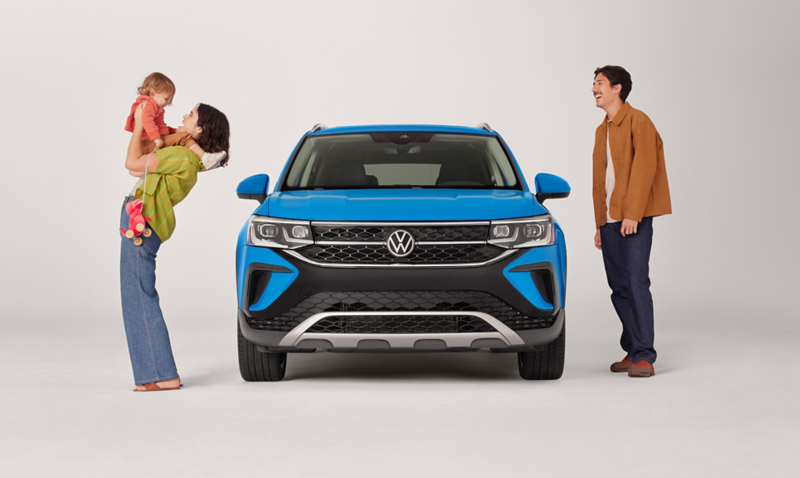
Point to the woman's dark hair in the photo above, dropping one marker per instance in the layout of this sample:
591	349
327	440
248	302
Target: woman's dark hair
216	131
617	75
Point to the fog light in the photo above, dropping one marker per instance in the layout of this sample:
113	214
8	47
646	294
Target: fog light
300	232
501	231
267	230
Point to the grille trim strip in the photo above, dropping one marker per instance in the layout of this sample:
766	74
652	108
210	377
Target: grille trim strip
296	335
450	243
378	243
351	243
299	256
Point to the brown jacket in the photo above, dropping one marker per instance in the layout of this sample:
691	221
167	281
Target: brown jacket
641	188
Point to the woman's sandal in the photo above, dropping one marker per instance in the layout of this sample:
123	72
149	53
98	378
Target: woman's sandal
153	387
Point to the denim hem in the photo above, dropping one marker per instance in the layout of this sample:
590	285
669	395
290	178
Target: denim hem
646	359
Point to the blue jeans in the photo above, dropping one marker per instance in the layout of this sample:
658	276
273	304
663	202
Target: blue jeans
148	339
627	261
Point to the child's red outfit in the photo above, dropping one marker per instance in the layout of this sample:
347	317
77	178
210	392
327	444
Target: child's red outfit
152	119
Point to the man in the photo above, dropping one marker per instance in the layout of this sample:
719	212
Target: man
629	189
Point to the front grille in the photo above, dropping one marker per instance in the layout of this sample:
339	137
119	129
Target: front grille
380	233
400	324
402	301
427	254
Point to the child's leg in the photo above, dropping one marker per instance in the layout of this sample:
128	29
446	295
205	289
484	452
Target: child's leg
148	145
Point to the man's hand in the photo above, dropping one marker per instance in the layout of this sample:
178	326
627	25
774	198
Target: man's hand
629	226
597	240
159	143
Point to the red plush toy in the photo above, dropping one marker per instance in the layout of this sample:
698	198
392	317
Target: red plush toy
136	223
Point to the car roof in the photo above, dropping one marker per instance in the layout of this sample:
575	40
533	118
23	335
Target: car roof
402	127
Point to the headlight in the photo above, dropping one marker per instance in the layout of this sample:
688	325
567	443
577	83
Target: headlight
281	233
526	232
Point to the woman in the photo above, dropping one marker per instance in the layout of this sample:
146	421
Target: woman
171	174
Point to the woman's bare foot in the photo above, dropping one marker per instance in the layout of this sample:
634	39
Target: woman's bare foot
172	384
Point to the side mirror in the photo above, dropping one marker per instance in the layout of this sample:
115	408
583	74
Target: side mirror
254	187
550	186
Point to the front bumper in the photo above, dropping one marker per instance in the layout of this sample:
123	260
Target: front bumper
300	340
287	304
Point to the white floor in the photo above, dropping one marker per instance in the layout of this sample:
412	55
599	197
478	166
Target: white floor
724	403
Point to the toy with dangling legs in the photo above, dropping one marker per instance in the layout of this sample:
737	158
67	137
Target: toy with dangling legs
137	222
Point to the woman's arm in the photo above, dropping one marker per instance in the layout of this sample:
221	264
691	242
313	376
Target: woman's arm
135	161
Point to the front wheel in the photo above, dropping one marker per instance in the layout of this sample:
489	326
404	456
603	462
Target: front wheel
547	364
257	366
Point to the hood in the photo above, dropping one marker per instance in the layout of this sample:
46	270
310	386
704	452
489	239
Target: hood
401	205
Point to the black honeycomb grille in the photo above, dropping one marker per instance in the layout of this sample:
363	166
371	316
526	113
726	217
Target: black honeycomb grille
366	233
401	301
400	324
284	323
433	254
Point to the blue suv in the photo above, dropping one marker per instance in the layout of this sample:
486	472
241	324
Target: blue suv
404	238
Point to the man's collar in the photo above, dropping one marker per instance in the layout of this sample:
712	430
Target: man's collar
620	114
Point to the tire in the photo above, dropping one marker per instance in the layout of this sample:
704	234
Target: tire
256	366
547	364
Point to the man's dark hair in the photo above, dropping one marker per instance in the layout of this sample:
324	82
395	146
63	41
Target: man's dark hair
617	75
216	131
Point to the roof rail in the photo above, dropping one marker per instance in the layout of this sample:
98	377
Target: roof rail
318	127
485	126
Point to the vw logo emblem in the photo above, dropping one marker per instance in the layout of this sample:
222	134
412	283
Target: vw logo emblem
400	243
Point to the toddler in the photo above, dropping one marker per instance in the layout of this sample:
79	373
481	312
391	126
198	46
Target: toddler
156	92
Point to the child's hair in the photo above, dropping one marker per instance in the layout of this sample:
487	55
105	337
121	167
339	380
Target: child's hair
157	83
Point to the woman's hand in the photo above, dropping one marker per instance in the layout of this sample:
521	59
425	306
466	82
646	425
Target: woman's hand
136	161
137	115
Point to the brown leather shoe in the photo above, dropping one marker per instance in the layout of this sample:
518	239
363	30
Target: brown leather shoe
642	368
622	366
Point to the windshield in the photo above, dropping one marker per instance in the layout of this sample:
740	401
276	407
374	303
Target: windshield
401	160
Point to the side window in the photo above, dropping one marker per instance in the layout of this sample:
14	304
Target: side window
494	170
298	173
507	177
309	170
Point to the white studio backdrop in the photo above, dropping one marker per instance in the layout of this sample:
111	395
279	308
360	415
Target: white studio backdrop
717	78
